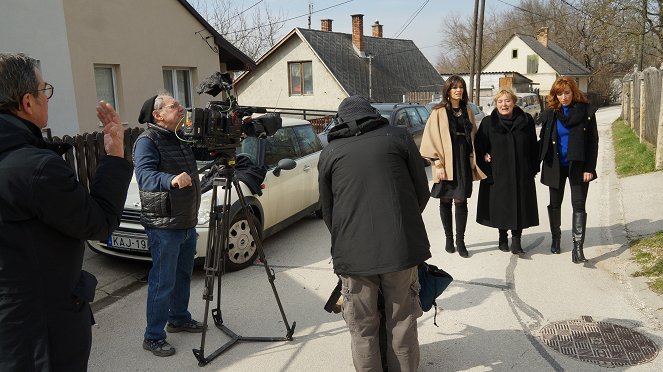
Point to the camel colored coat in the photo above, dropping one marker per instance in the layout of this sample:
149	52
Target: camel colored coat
436	145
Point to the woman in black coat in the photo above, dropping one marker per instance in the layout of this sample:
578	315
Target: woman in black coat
507	152
569	149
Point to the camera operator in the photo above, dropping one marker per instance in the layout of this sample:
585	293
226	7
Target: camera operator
170	197
373	188
45	217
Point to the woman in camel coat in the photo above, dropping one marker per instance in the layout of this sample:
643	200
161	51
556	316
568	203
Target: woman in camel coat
448	142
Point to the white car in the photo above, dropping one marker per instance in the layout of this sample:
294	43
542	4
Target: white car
529	102
289	192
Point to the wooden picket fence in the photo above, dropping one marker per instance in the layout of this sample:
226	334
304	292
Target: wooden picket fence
88	148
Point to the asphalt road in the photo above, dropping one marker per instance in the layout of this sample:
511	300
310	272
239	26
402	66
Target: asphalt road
492	316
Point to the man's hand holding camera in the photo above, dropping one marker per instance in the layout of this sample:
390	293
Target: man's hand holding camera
181	181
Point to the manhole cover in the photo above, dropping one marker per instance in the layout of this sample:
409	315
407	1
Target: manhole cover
601	343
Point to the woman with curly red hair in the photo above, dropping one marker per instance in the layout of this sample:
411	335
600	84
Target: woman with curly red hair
569	144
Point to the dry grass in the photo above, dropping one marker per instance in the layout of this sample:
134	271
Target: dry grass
648	252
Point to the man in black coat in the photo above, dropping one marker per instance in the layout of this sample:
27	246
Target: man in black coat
373	188
45	217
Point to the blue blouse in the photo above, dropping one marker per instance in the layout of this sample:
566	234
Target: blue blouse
563	139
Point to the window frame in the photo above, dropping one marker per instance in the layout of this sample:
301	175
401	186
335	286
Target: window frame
301	79
174	91
112	68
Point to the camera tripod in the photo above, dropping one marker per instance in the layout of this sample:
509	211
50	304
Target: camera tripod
217	247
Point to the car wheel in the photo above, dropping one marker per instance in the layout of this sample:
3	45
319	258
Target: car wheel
242	246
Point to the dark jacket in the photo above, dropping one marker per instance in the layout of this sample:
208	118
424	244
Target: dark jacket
373	188
507	197
163	156
583	144
45	217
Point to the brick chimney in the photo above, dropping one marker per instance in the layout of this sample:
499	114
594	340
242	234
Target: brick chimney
358	32
326	25
377	29
542	36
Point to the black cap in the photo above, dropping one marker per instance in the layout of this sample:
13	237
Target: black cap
145	115
356	108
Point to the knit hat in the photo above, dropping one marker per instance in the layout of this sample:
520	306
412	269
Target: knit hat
145	115
356	108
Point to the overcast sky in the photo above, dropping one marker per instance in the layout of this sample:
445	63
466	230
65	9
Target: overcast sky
425	29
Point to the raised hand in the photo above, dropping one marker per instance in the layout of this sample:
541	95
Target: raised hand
113	129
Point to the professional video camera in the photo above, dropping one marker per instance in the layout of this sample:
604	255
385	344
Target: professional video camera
221	126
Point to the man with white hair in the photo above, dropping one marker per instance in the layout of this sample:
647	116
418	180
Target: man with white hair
170	198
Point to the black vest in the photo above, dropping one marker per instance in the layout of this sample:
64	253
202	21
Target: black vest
175	208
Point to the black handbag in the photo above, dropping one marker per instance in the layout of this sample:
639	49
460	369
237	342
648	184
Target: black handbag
436	190
433	282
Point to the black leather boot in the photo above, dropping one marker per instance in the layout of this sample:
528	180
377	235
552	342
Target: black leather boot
555	217
447	224
579	223
503	243
461	222
516	248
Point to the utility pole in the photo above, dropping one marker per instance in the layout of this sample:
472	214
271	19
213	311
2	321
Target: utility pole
474	49
641	55
480	37
310	10
370	76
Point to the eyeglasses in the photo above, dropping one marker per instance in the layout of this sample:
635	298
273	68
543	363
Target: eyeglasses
48	90
173	106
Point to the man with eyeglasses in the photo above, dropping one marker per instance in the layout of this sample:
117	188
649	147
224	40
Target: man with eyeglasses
170	197
45	216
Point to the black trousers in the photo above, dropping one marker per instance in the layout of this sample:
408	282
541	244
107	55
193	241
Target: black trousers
579	189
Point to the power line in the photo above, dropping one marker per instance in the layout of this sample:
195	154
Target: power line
243	11
412	17
286	20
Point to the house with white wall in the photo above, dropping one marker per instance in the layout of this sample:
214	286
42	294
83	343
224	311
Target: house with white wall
539	59
317	69
121	51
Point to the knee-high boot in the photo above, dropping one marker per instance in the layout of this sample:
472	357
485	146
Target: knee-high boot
461	222
555	218
447	224
503	242
516	248
579	224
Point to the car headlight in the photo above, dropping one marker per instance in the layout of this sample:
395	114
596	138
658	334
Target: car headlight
203	211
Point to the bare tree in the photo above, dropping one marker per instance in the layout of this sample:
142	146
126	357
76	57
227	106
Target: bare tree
253	29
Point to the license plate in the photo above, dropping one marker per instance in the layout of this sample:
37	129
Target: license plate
127	243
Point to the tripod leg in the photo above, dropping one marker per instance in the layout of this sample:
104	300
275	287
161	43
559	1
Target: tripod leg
261	253
219	216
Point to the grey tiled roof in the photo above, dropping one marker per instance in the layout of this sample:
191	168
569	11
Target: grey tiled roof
398	66
559	59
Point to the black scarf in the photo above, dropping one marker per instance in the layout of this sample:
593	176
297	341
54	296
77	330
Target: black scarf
577	113
516	120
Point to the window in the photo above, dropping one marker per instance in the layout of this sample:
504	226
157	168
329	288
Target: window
300	77
415	119
280	146
423	113
514	53
532	64
308	141
178	82
104	78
